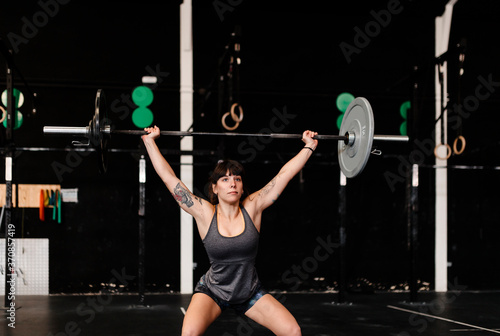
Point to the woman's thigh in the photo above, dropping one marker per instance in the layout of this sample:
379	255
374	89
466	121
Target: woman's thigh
270	313
202	311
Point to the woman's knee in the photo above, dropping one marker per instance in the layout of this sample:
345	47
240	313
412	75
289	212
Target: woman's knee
291	329
193	327
294	330
191	331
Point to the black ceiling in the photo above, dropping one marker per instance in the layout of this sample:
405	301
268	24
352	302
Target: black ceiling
313	50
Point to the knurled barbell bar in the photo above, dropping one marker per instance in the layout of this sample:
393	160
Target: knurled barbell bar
354	147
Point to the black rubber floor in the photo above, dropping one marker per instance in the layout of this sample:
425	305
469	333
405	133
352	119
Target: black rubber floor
454	313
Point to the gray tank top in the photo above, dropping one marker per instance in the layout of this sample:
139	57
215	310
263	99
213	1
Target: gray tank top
232	276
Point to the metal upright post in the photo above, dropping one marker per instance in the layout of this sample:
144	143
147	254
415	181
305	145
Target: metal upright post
342	237
186	121
142	229
412	205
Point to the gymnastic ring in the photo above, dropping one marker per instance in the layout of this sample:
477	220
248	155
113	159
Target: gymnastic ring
4	114
462	148
448	151
225	125
233	115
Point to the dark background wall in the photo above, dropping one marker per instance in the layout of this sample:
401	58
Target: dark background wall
291	61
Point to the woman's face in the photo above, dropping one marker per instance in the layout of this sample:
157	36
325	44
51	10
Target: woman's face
229	187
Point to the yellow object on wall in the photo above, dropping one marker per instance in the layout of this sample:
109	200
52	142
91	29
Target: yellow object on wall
29	194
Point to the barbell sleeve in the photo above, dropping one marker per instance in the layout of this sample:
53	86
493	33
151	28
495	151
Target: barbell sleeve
401	138
67	130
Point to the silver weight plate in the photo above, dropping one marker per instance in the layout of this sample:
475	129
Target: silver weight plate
358	124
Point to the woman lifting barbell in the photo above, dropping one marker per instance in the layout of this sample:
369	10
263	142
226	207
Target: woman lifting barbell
229	227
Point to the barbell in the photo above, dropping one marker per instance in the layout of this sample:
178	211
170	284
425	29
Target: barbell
354	147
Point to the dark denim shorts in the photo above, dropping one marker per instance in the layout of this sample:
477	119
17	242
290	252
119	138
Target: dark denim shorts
239	308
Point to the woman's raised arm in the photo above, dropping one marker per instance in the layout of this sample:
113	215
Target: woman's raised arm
189	202
266	196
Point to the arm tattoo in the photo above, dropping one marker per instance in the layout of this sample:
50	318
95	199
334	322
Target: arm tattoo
182	196
268	187
271	184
